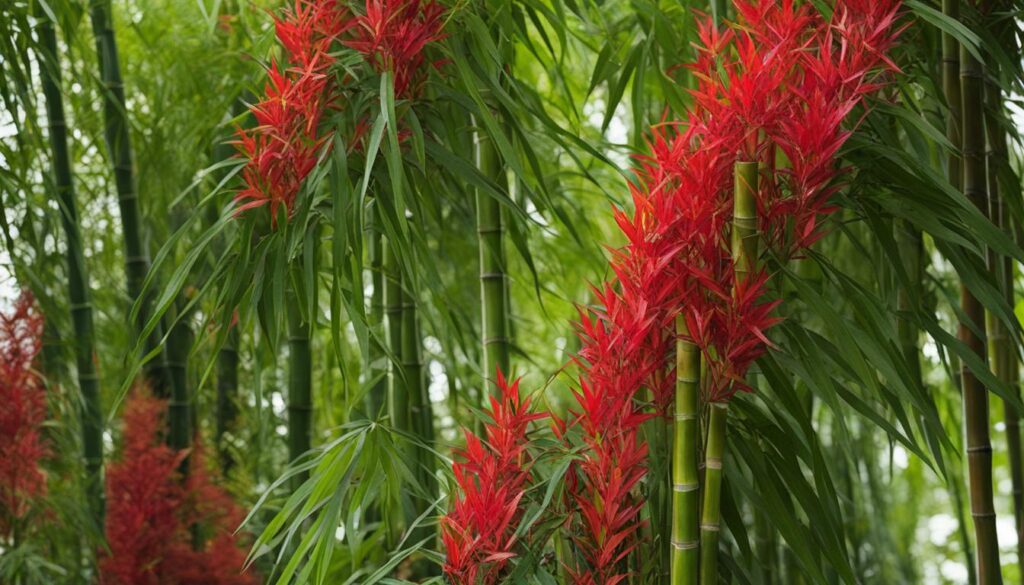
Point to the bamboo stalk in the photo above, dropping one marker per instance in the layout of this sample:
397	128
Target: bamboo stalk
1002	346
710	521
744	220
227	397
227	408
412	370
744	256
951	89
685	480
178	413
300	367
118	138
376	358
398	403
79	292
493	296
975	395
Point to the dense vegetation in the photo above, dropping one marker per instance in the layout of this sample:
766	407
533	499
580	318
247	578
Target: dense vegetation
532	291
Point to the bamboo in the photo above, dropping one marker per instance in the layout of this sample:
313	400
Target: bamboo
227	408
398	403
1002	347
685	480
710	522
412	370
300	366
227	397
951	89
744	255
178	413
118	138
79	292
744	220
376	358
975	395
490	230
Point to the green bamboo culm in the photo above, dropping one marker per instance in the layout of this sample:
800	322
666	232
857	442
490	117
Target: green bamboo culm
227	397
710	520
300	390
975	395
118	140
376	358
744	255
1001	344
744	220
493	282
79	291
685	479
394	517
415	391
398	402
951	89
178	410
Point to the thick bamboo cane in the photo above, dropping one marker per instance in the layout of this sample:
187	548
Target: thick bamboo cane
493	296
300	368
118	138
685	445
79	293
744	255
375	356
1002	348
975	395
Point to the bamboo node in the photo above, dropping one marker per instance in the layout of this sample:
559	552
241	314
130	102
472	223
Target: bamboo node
713	463
688	545
684	487
710	527
685	416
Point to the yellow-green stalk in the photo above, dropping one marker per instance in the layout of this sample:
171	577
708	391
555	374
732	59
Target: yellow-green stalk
744	255
685	480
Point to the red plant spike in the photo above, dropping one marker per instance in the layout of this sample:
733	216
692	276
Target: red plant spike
284	146
150	512
23	396
492	476
392	35
143	498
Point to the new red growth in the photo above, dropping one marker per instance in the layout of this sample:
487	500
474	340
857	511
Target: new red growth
23	396
283	147
151	512
492	476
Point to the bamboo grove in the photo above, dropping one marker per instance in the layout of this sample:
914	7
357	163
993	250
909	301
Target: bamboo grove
525	291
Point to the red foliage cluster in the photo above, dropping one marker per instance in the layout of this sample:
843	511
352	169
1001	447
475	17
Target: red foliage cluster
492	476
392	35
779	80
150	512
282	149
23	396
